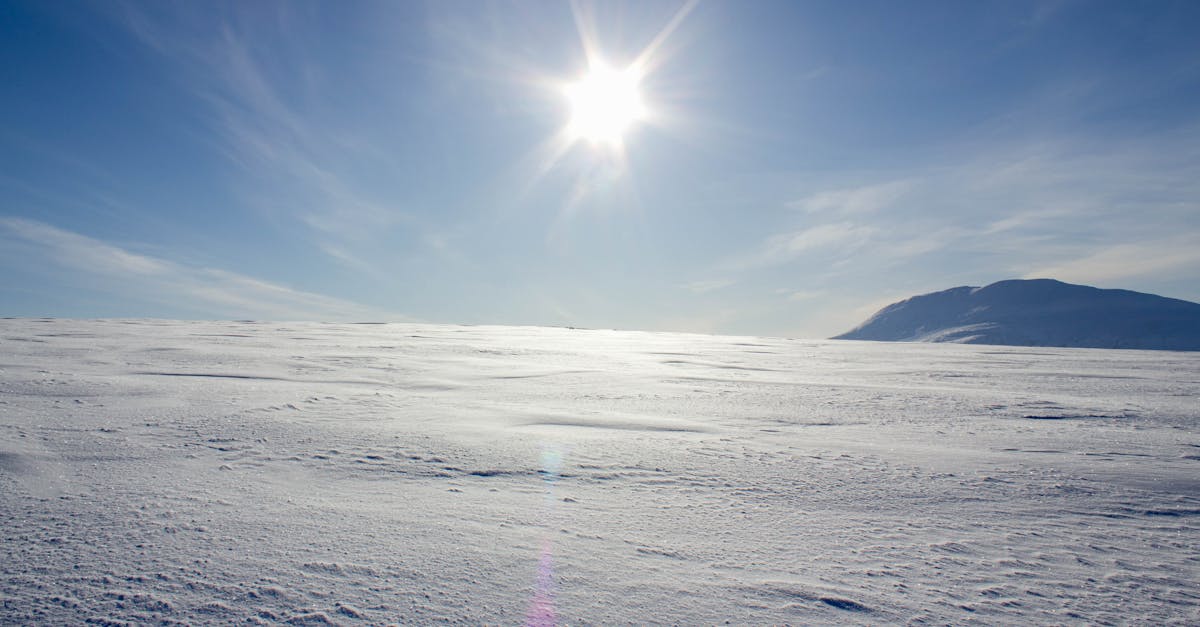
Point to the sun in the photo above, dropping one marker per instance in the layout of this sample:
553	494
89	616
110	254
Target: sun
604	104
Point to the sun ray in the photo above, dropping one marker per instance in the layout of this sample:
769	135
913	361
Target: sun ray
643	61
603	105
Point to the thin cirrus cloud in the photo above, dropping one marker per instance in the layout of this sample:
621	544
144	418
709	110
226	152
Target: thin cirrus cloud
782	248
304	167
855	200
1173	257
1064	195
701	287
845	237
800	295
205	291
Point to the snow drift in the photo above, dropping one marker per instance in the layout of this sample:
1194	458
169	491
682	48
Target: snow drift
1038	312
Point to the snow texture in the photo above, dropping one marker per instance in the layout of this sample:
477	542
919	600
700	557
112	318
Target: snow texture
1038	312
158	472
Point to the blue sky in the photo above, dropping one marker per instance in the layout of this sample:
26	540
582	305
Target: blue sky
801	163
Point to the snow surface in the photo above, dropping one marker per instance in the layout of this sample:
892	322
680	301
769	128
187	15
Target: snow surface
201	472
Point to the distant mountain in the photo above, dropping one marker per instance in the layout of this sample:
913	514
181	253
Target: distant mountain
1038	312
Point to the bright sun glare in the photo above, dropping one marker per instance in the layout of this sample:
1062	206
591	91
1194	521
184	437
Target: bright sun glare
604	104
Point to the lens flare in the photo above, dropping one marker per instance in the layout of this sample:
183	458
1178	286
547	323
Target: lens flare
541	607
541	611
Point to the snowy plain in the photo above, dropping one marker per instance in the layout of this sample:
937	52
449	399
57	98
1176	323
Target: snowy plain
163	472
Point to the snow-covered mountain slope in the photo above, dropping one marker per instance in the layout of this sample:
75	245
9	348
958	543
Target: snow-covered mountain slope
157	472
1038	312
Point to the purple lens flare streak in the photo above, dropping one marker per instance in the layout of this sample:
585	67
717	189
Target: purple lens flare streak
541	607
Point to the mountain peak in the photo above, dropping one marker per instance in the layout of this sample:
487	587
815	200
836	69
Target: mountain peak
1038	312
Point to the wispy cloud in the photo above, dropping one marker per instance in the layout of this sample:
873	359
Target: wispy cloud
866	199
291	159
1113	213
206	291
1060	196
1167	258
701	287
797	296
782	248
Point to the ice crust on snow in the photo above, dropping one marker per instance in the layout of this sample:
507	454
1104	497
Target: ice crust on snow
1038	312
160	472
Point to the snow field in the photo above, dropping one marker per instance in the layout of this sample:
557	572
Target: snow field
202	472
